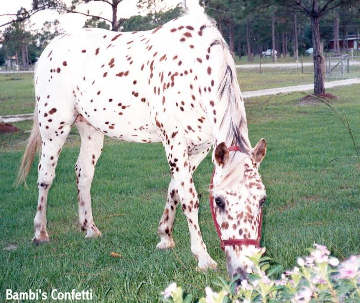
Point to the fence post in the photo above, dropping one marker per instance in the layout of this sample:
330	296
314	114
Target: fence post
297	66
302	64
260	64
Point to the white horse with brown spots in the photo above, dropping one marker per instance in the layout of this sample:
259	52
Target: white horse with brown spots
176	85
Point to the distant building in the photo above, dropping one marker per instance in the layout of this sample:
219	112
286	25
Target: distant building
350	42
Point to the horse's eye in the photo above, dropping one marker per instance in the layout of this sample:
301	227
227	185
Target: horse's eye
220	202
262	201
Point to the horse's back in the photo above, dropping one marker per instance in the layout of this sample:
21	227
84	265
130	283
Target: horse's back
125	83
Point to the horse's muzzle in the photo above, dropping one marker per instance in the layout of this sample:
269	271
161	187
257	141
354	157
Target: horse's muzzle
239	275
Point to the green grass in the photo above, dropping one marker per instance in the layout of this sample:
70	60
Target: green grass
16	94
252	79
16	90
310	172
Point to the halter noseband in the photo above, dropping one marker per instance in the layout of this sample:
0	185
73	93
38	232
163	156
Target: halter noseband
232	242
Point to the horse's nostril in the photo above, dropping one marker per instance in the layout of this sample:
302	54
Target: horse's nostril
238	276
237	282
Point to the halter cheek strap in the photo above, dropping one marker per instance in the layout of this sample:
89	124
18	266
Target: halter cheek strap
232	242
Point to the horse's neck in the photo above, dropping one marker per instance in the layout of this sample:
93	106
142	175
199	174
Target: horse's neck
192	6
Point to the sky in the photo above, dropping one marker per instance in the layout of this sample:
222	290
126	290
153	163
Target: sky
71	22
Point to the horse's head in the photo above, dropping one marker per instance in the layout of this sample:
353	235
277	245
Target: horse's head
237	196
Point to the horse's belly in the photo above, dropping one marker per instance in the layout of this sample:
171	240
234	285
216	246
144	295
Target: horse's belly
121	120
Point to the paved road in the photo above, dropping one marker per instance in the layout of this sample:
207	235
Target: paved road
16	72
273	65
297	88
15	118
283	65
247	95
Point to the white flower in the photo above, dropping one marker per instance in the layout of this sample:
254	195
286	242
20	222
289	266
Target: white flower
320	255
303	296
350	268
167	293
333	261
295	270
280	282
309	261
245	285
301	262
318	280
210	295
322	249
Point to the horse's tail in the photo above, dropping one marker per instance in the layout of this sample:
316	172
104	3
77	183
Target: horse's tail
32	146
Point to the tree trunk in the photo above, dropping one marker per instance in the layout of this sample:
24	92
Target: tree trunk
283	45
319	60
273	38
248	45
231	37
346	41
24	59
240	48
27	56
115	23
336	33
296	41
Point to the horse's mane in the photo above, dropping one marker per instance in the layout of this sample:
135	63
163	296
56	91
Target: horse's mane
234	119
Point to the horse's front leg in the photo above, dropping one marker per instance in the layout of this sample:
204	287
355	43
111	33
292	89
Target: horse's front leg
167	220
181	171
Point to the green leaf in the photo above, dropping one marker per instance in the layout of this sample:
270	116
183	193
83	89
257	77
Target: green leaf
188	298
275	270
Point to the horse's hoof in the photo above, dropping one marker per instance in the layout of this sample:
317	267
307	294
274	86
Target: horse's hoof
41	239
166	244
207	264
93	232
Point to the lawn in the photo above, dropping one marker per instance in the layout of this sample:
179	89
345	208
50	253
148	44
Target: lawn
16	94
252	79
311	173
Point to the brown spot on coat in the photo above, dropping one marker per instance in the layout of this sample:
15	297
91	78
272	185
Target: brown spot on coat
117	36
225	225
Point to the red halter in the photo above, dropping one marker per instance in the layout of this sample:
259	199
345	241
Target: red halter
231	242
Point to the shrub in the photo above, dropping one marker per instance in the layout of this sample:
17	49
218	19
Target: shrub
318	277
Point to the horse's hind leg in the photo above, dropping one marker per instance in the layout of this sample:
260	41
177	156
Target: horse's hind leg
52	141
90	151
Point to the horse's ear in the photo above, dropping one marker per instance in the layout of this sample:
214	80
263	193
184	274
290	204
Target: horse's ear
259	151
221	154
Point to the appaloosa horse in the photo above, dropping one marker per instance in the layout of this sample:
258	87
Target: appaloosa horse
176	85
